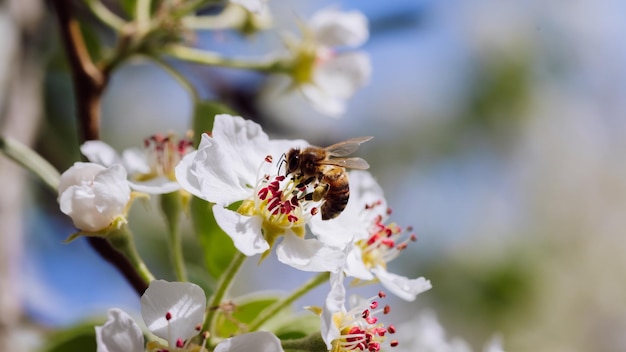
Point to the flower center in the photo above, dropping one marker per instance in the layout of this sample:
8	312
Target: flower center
360	329
280	201
163	154
386	241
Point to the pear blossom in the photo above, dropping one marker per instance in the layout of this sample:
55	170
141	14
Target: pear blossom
325	74
238	164
173	311
93	196
151	169
425	333
375	242
255	6
355	329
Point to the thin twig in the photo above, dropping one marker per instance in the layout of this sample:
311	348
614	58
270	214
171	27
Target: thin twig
89	84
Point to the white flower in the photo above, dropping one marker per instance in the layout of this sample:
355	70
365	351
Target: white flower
93	196
239	163
260	341
119	333
173	311
255	6
151	169
375	242
354	329
425	333
325	76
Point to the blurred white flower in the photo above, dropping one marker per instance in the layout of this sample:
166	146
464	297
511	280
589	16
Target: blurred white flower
173	311
327	77
375	243
93	195
260	341
425	333
354	329
239	163
151	169
252	5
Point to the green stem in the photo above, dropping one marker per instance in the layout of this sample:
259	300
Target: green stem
31	161
122	241
212	59
222	287
177	76
142	13
271	311
171	204
103	14
311	343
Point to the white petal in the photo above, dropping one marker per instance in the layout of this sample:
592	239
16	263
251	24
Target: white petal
245	231
78	174
342	75
119	333
405	288
322	101
100	153
338	232
225	166
186	179
112	190
158	185
333	27
355	267
186	303
333	304
309	254
260	341
134	159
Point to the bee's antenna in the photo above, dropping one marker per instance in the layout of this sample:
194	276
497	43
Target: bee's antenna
282	161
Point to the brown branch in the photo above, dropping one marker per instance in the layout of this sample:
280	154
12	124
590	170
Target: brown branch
89	84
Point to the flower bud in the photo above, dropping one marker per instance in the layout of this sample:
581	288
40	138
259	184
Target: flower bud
93	195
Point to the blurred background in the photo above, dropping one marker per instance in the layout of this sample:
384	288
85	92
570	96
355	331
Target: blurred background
499	136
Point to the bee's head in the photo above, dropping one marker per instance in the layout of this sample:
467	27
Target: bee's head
293	160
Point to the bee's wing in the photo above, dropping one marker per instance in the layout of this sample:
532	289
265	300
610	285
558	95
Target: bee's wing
350	163
346	147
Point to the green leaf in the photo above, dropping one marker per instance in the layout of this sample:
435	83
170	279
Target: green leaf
217	246
297	327
243	312
204	115
79	338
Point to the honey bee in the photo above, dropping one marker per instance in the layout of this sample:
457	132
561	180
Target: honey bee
326	168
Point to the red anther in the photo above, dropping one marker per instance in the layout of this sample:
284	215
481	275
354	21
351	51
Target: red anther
365	314
413	237
374	347
394	343
263	192
374	305
388	211
371	320
381	331
409	228
314	211
268	159
391	329
402	246
168	316
387	309
198	327
292	218
372	240
388	232
180	343
389	243
382	294
294	201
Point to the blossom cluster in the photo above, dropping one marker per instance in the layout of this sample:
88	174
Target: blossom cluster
317	209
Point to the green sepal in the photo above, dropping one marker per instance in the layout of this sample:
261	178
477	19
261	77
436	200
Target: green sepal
115	225
218	248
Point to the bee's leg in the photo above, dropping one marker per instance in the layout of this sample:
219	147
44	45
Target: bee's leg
305	182
318	193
